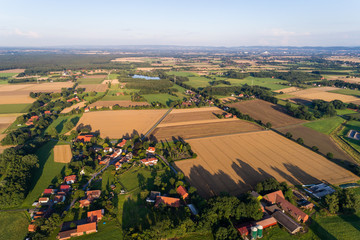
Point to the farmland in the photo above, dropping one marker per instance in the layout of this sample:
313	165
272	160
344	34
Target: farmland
92	79
14	108
59	123
75	106
163	98
93	87
252	157
13	225
325	126
62	153
6	120
116	124
266	112
192	114
121	103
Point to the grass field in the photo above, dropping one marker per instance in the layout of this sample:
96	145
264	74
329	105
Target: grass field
163	98
87	80
14	108
182	74
111	95
43	175
13	225
345	111
325	126
8	75
351	125
59	123
350	92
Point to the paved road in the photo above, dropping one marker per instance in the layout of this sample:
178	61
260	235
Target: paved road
157	123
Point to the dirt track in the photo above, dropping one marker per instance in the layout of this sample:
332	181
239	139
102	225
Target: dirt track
62	153
235	163
266	112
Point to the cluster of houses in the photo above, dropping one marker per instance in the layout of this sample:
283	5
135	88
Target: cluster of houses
194	99
158	200
90	196
83	226
276	209
76	99
31	120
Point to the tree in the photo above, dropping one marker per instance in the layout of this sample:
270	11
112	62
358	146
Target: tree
52	132
330	155
315	148
69	125
300	141
288	135
332	202
268	125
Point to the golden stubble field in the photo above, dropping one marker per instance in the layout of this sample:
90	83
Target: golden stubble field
116	124
62	153
236	163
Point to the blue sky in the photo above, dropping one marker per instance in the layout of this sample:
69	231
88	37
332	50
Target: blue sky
189	23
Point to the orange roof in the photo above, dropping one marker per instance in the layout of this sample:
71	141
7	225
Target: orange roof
95	215
168	201
32	228
271	197
151	149
122	143
84	203
182	192
291	209
94	194
85	138
86	227
70	178
43	199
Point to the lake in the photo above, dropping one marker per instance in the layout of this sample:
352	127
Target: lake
145	77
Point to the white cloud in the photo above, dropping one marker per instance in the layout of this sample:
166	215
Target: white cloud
28	34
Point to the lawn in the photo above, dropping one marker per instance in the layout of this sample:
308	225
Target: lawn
14	108
43	176
90	80
345	111
350	92
326	125
59	123
163	98
134	178
13	225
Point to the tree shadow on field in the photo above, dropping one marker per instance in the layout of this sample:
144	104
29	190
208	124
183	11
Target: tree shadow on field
302	176
286	176
321	232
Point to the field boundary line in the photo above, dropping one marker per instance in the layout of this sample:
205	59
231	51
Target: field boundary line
221	135
157	123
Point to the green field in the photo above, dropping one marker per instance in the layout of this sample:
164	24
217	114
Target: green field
8	75
351	125
325	126
43	175
13	225
59	123
350	92
182	74
113	76
14	108
163	98
111	95
90	80
345	111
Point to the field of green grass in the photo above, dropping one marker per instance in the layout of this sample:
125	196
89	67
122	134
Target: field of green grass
59	123
325	126
90	80
111	95
45	174
351	125
14	108
8	75
163	98
345	111
13	225
350	92
182	74
113	76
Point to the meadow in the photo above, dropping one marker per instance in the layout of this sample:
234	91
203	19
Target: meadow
163	98
59	123
13	225
326	125
349	92
14	108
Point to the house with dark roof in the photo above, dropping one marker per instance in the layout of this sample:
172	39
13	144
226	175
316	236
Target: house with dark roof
293	211
287	222
152	197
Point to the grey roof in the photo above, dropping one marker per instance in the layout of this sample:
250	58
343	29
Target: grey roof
286	221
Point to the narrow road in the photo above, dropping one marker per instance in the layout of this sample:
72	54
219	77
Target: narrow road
156	124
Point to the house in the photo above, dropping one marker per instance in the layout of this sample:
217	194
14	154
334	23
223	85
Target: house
32	228
70	179
287	222
31	120
167	201
182	192
65	188
152	197
95	216
93	194
117	152
47	112
149	161
49	191
104	161
108	149
80	230
44	200
150	150
267	222
87	109
85	138
118	165
59	198
122	143
84	203
228	115
271	197
293	211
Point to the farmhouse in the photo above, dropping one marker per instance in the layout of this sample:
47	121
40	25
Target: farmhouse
70	179
152	197
32	228
291	209
84	203
167	201
93	194
149	161
80	230
122	143
104	161
85	138
44	200
65	188
150	150
182	192
87	109
95	216
271	197
118	165
288	223
31	120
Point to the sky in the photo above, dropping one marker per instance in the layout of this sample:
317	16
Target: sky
186	23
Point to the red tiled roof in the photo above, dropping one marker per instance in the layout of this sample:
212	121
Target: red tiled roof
43	199
94	194
70	178
85	138
47	112
151	149
271	197
291	209
88	227
94	216
32	228
182	192
84	203
149	160
168	201
48	191
268	222
64	187
122	143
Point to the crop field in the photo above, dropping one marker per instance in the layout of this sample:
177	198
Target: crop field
121	103
116	124
62	153
93	87
205	128
17	70
312	137
288	90
92	79
325	126
13	225
323	93
6	120
75	106
14	108
349	92
192	114
266	112
236	163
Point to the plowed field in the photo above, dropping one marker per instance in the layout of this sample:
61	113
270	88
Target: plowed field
236	163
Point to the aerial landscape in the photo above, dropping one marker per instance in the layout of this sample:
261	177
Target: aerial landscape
121	127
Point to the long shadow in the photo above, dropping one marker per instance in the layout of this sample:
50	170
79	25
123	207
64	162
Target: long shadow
352	219
286	176
60	126
321	232
300	175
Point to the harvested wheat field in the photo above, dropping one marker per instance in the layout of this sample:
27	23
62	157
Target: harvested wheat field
17	70
75	106
288	90
236	163
62	153
114	81
217	127
266	112
323	94
192	114
93	87
121	103
6	120
116	124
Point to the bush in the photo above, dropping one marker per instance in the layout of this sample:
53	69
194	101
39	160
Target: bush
330	155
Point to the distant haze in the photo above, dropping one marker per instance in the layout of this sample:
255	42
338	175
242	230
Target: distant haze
189	23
